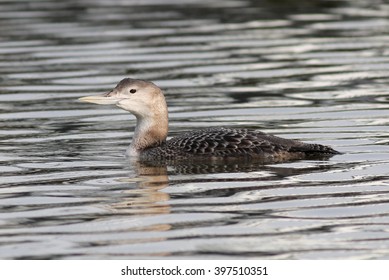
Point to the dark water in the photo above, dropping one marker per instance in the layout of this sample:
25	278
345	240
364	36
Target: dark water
311	70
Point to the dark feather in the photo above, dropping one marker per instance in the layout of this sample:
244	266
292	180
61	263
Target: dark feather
229	142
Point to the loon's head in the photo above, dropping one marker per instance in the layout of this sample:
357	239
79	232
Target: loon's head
141	98
146	101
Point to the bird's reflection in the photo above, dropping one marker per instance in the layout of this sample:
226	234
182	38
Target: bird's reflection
150	178
154	170
148	196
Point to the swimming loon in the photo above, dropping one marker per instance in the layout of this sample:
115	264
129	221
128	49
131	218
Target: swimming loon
147	102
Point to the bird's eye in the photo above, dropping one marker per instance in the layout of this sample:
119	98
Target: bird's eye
133	90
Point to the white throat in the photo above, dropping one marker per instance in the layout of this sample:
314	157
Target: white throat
143	126
149	132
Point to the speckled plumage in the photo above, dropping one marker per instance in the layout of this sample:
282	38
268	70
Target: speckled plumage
219	143
147	103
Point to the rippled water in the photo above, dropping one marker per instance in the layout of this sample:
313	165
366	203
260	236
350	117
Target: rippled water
311	70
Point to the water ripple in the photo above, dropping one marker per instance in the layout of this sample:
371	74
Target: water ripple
316	73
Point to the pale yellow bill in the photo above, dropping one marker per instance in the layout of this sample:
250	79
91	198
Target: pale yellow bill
100	99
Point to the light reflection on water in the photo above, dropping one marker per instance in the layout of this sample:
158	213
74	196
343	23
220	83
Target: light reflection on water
317	73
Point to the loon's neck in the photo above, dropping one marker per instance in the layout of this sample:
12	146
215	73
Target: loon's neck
150	131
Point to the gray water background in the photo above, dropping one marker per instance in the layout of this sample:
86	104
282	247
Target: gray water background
311	70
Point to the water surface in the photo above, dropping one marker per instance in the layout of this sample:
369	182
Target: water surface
311	70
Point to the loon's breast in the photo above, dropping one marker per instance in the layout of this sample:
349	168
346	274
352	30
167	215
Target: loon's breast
233	143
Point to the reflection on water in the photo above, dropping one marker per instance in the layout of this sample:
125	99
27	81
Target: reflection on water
311	70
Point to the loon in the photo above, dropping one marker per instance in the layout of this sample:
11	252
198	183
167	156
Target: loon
147	102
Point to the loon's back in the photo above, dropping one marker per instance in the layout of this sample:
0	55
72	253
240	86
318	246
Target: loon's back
221	143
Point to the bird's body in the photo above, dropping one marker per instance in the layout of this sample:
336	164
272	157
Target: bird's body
147	102
221	143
